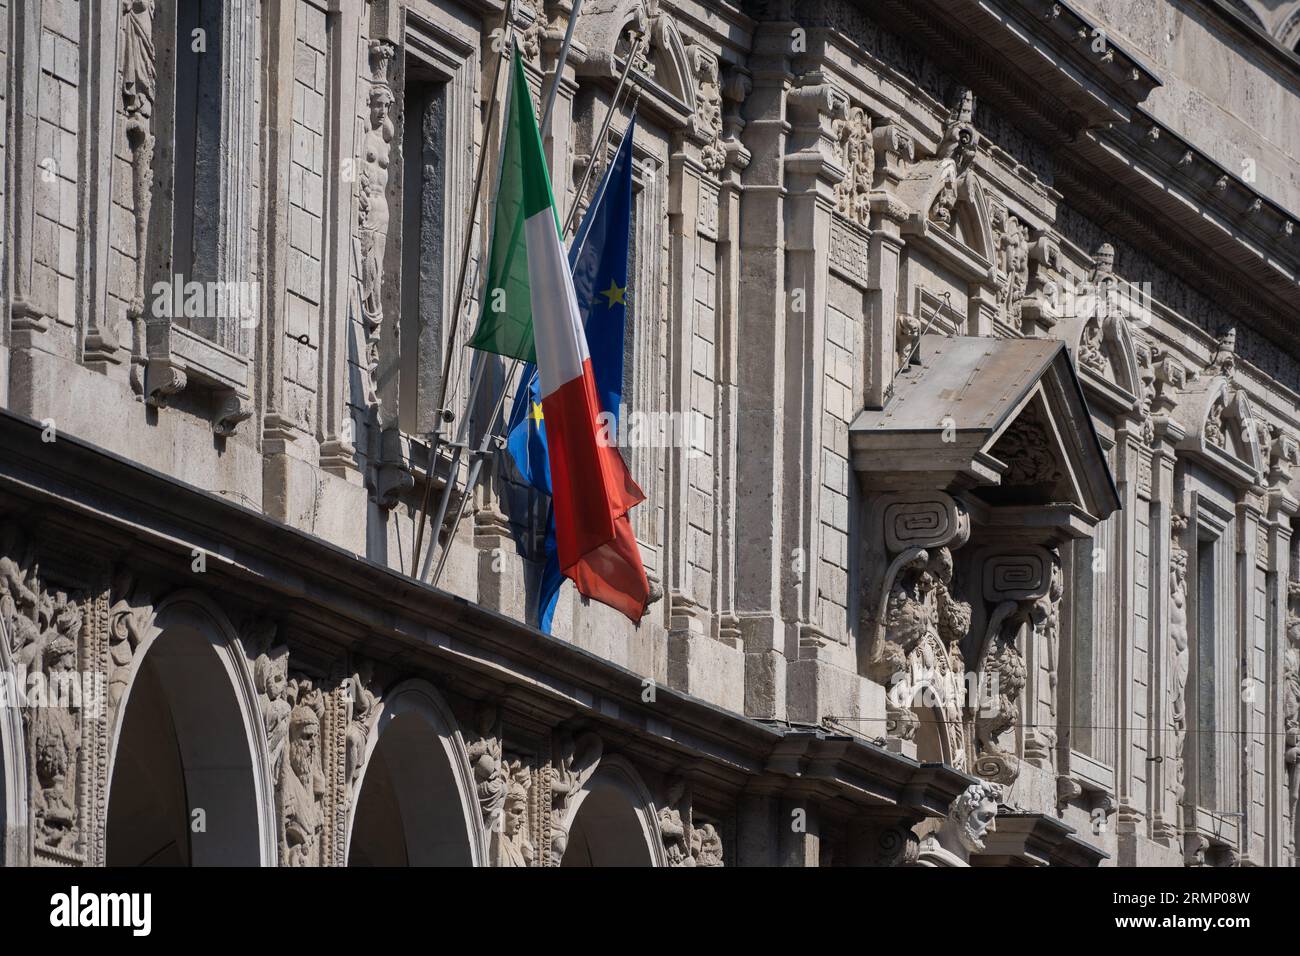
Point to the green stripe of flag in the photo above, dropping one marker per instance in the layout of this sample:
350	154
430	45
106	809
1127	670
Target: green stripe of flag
506	319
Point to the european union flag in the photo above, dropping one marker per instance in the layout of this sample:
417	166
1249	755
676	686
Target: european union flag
598	258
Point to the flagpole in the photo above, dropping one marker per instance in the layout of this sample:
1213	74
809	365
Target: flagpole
559	68
489	434
507	43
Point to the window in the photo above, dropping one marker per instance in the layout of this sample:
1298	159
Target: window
197	144
423	250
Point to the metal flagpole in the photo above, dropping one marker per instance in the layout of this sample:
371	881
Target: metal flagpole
559	67
507	43
489	434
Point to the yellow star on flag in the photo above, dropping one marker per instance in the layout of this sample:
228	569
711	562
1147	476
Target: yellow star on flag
536	414
615	294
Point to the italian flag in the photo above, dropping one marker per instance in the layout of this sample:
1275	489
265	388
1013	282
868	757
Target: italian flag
529	312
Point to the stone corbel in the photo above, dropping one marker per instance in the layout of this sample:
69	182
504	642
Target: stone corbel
911	523
1014	583
812	109
894	149
393	476
736	87
1040	309
575	761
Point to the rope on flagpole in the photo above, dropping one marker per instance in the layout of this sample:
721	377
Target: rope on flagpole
489	434
507	42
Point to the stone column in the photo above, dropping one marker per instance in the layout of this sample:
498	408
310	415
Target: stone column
1282	507
761	378
891	147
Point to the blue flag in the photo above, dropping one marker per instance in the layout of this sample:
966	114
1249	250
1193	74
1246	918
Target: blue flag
598	258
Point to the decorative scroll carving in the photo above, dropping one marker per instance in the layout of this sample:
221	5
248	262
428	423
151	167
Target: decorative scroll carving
708	108
130	623
1178	650
1283	455
139	83
491	778
575	761
530	37
376	154
920	622
853	151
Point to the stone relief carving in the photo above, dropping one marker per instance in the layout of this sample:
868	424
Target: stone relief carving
944	203
1013	260
530	37
573	765
918	621
56	731
973	816
362	713
491	776
44	627
1178	650
685	843
302	785
376	154
1100	292
130	624
708	108
853	151
271	679
1040	741
510	843
1027	450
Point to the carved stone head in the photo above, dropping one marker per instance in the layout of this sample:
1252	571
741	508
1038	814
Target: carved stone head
271	672
974	814
304	740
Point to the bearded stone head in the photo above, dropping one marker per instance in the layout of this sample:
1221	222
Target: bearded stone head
304	740
974	814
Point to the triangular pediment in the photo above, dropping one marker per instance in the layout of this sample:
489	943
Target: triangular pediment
950	218
1005	418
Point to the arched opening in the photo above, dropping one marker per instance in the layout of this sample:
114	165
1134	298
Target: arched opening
182	791
614	823
414	804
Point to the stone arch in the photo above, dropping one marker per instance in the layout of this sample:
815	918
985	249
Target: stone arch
613	821
417	767
602	29
13	767
1219	405
193	670
1288	33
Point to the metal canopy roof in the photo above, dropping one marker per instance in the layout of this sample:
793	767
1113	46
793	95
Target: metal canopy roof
939	426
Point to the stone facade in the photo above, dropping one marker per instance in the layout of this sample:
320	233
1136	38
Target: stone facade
975	547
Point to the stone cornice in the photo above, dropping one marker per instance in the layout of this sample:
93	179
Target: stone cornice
322	594
1247	31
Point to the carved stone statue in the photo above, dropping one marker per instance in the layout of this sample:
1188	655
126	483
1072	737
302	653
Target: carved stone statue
706	845
1003	678
1179	652
376	154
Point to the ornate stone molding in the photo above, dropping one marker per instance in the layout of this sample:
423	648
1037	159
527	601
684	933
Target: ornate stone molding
685	843
130	624
853	151
486	760
1291	699
707	121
